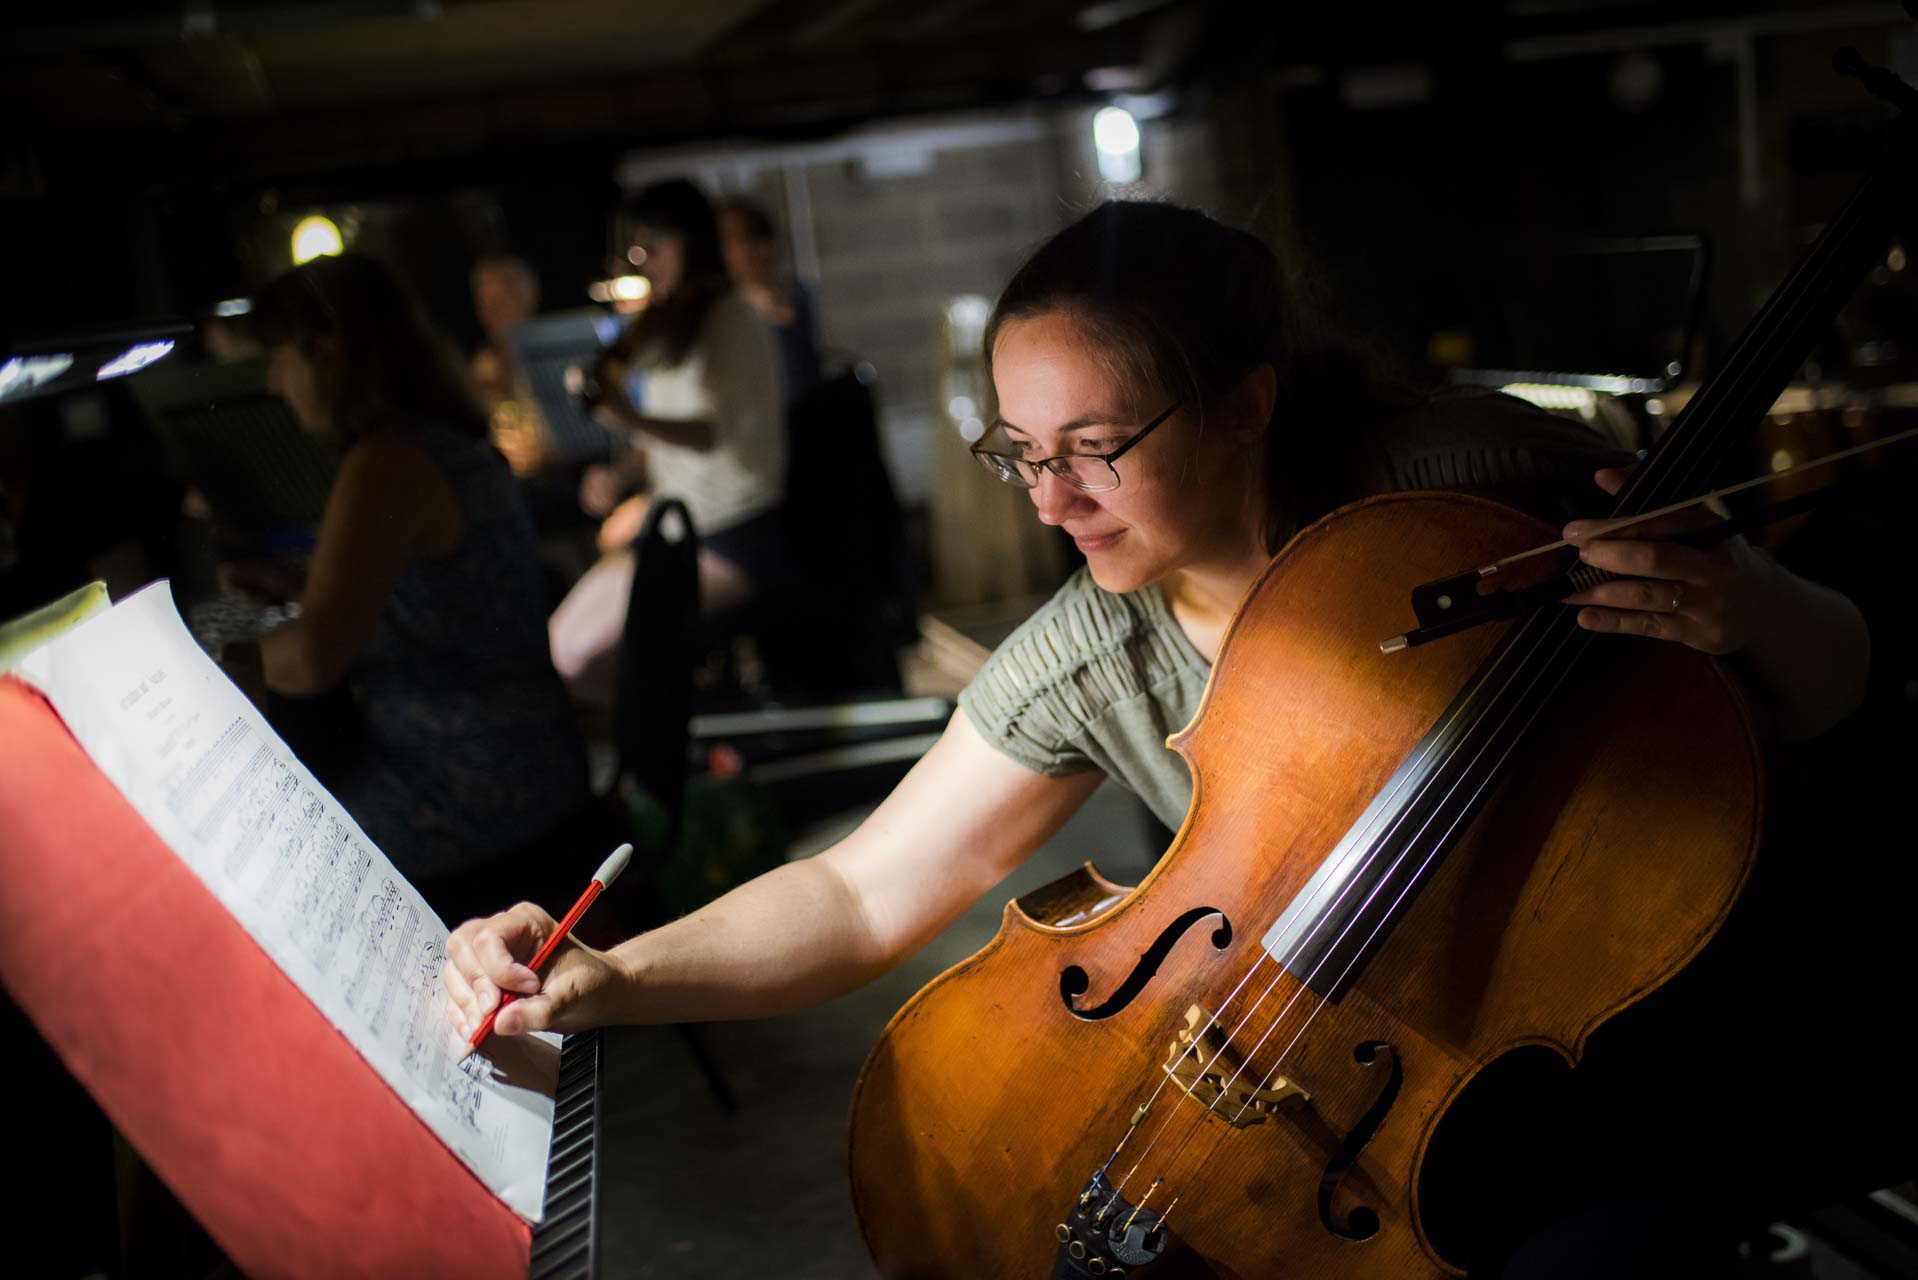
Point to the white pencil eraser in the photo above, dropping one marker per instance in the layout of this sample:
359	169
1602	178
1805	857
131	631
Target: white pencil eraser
615	863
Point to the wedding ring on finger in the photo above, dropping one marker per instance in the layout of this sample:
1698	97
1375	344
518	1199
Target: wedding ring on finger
1678	592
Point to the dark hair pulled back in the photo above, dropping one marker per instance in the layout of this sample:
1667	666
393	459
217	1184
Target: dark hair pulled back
389	368
1185	307
666	331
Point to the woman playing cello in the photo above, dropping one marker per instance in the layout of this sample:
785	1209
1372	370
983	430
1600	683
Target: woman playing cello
1170	401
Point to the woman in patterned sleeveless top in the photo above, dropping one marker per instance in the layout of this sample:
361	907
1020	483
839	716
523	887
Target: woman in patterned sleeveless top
423	595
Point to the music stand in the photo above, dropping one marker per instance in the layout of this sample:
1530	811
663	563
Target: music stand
544	348
1604	316
269	1127
238	444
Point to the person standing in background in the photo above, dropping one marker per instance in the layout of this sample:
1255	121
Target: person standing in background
750	244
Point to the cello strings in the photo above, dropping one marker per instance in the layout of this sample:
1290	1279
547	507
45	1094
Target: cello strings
1681	472
1414	776
1418	775
1491	776
1475	699
1407	850
1441	742
1689	443
1649	479
1683	466
1396	819
1769	334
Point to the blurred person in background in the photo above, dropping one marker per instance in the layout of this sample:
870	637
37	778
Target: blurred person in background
750	243
228	339
505	296
422	599
709	429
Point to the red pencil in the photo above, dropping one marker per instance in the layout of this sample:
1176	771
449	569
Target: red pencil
608	872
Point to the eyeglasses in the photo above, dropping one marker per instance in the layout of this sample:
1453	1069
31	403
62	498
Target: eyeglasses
1092	472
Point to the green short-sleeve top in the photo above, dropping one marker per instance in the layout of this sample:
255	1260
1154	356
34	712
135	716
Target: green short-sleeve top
1096	680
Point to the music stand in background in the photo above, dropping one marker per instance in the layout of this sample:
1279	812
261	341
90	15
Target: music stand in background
240	446
1566	322
545	347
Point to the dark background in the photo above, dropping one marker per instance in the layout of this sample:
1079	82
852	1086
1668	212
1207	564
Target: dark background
153	160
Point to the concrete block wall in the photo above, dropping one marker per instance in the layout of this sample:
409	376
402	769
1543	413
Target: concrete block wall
896	247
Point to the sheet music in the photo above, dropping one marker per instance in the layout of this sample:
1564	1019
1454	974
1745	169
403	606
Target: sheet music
197	760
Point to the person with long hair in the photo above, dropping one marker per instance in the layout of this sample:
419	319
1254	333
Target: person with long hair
1166	395
709	427
423	595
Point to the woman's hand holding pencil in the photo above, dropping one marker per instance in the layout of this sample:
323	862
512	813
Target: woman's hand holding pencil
491	963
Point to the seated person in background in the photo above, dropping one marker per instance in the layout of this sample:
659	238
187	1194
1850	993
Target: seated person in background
228	339
423	596
505	296
710	426
750	243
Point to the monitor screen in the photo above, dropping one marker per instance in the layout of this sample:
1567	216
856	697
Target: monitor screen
1604	309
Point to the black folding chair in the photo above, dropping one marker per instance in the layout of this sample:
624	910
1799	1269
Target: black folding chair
652	714
653	671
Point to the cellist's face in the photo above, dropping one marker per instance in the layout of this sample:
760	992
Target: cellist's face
1181	494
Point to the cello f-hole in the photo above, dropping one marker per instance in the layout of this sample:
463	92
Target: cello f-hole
1074	982
1359	1223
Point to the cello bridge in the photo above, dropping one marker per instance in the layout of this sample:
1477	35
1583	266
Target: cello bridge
1201	1063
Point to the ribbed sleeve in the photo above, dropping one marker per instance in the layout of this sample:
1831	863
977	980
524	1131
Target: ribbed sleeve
1095	681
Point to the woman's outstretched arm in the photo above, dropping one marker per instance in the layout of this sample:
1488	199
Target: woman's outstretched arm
799	935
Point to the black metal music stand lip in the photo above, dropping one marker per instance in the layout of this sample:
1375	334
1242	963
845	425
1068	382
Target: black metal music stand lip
1687	315
565	1242
544	348
240	446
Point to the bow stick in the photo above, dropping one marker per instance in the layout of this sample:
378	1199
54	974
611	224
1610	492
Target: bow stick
1446	606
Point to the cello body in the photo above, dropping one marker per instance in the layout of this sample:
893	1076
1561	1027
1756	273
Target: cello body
1608	851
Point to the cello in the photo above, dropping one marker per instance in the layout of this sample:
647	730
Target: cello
1397	868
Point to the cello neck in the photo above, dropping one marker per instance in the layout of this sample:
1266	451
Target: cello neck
1346	911
1774	344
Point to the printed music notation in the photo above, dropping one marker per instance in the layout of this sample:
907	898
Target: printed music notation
204	769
